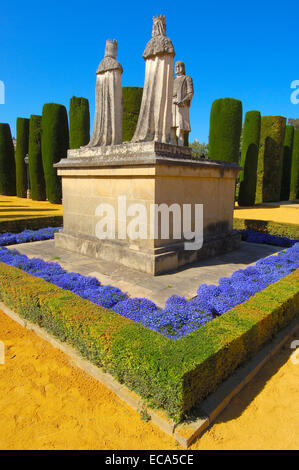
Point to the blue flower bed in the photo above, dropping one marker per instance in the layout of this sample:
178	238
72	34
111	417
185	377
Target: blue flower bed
259	237
179	316
28	236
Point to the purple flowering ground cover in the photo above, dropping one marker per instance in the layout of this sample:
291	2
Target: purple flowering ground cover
259	237
179	316
28	236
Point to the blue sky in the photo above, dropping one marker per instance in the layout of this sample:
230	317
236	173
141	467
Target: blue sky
49	51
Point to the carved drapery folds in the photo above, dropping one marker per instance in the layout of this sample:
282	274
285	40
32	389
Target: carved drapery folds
108	113
155	120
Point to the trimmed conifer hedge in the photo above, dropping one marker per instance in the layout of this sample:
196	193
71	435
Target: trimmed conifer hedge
294	185
7	162
36	172
55	141
269	169
225	130
249	156
79	122
132	97
21	152
287	163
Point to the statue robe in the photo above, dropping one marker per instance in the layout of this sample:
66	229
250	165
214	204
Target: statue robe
155	117
108	112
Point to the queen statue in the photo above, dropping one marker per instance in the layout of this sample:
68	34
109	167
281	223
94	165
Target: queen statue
107	128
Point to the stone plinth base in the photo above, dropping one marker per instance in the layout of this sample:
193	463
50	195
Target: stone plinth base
156	261
146	174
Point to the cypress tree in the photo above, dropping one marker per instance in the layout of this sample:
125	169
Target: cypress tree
79	122
132	97
249	156
36	172
55	141
225	130
21	152
7	162
270	156
294	186
287	162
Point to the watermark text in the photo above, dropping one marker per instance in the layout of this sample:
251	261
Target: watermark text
151	221
295	94
2	353
295	354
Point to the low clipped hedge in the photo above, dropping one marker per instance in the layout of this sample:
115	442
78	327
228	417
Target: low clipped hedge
172	375
278	229
31	223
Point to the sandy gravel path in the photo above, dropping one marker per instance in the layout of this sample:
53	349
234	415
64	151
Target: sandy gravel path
46	403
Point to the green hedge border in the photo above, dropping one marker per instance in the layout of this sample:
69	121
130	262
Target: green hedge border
272	228
172	375
34	223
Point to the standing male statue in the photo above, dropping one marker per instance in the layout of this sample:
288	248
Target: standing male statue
182	97
107	128
154	122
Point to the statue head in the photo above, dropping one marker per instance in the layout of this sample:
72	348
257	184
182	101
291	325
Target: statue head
180	68
111	48
159	26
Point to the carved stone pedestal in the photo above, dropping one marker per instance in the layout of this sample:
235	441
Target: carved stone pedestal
144	173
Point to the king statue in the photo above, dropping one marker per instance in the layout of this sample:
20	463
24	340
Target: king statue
182	97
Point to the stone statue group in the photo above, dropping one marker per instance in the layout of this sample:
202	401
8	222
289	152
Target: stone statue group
164	112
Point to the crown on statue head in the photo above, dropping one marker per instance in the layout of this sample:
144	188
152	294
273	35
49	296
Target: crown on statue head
111	47
159	25
159	18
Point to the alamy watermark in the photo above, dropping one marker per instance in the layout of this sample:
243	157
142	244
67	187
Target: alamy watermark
2	353
175	222
2	92
295	354
295	94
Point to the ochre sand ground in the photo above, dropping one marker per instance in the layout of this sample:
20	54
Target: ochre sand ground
288	214
46	403
12	207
